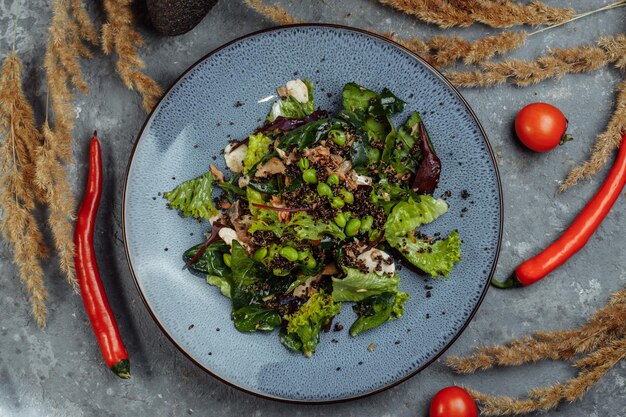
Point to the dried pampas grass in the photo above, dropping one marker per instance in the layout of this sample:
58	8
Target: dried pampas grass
70	33
463	13
274	12
557	63
607	142
120	36
602	338
17	196
444	51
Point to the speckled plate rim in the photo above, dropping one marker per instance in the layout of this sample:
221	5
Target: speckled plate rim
435	72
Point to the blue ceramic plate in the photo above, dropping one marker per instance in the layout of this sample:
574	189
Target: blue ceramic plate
193	123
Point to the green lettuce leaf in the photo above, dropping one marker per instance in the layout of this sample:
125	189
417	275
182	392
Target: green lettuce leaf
194	197
310	319
307	229
262	219
408	215
258	147
357	286
376	310
387	195
211	262
435	257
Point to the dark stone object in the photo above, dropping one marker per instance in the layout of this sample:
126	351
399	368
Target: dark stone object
175	17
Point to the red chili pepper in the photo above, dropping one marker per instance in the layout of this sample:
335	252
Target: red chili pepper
577	235
91	288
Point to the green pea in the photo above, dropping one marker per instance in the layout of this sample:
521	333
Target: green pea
324	190
366	223
227	258
340	220
347	196
260	254
303	163
337	202
333	179
311	262
310	176
338	136
289	253
353	226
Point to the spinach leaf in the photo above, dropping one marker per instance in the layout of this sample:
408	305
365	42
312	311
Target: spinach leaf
357	98
406	154
390	103
254	318
270	186
231	190
378	309
211	263
244	275
194	197
305	136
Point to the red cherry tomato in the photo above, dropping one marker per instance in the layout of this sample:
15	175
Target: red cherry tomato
453	402
540	126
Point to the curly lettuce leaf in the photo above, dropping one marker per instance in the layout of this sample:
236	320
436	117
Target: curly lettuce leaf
378	309
435	257
310	319
307	229
258	147
357	286
406	216
262	219
211	262
194	197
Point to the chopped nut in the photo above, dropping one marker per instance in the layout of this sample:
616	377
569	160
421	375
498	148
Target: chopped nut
371	347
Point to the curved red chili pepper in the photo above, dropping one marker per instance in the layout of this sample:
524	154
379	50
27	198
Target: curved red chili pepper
92	291
577	235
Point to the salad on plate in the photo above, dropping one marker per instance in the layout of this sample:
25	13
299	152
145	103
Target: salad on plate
316	212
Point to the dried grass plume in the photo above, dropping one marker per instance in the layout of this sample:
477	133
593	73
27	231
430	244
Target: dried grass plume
274	12
602	339
496	13
69	35
120	36
555	64
17	194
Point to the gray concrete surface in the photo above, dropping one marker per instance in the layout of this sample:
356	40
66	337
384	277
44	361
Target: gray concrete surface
59	371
